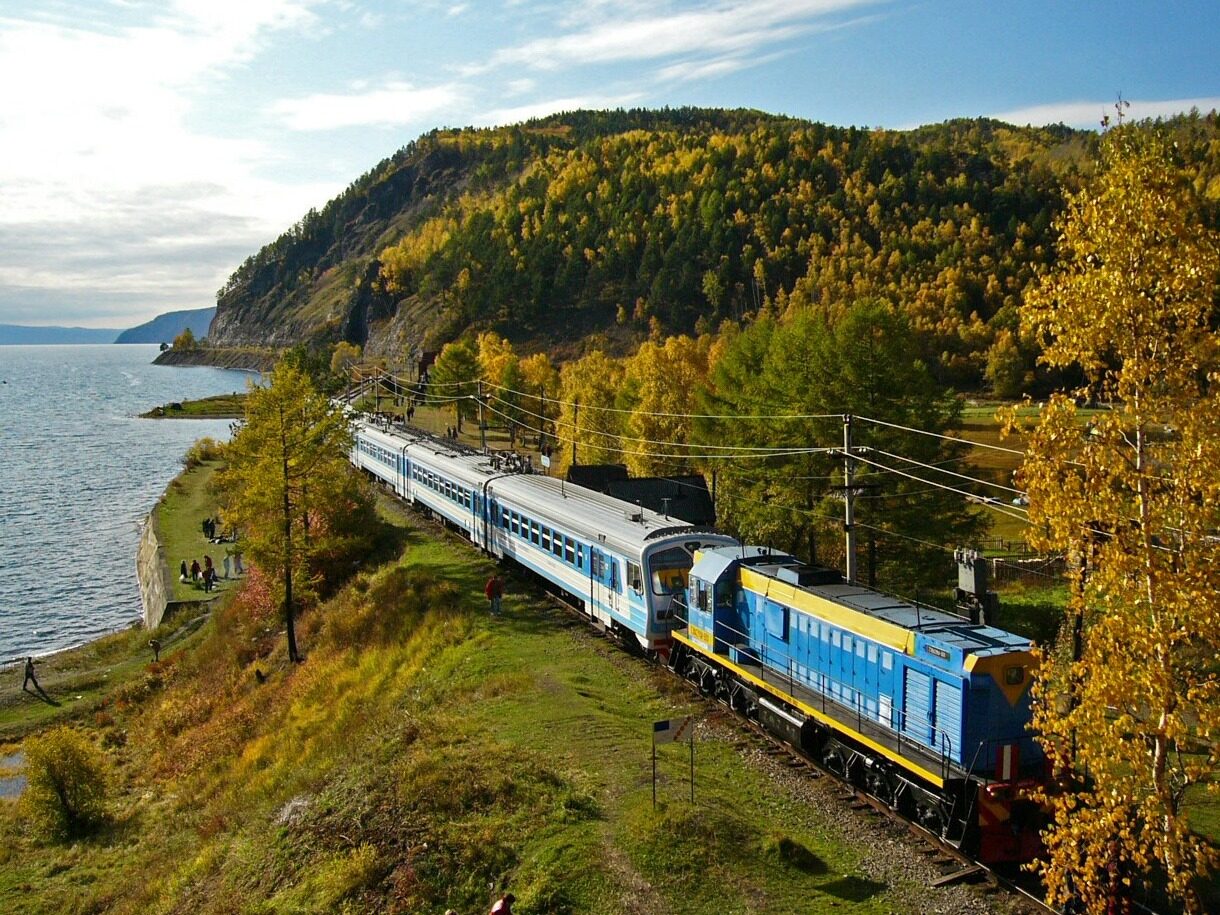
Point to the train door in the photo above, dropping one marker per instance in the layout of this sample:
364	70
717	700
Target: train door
604	581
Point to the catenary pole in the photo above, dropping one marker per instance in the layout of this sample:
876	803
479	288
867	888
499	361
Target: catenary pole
849	528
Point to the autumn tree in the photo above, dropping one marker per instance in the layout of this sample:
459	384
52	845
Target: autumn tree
289	488
454	380
1127	705
589	422
343	357
661	383
186	340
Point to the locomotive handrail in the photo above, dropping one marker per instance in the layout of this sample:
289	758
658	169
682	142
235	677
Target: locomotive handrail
832	689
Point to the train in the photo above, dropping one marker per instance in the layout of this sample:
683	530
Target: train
922	708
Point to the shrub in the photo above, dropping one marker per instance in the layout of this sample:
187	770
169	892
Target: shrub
205	449
65	794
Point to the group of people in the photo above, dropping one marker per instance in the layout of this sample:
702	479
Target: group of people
212	532
206	574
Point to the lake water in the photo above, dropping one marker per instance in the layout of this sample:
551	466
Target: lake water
79	470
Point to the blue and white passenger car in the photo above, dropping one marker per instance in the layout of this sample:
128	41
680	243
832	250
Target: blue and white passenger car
626	565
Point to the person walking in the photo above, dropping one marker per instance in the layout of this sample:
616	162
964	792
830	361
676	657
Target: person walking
494	591
29	676
195	570
504	905
184	574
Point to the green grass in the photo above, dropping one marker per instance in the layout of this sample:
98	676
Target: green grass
219	406
423	757
180	513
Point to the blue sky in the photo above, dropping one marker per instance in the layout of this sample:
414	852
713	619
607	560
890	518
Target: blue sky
147	148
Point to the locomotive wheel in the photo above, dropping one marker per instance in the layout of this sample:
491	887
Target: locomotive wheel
833	760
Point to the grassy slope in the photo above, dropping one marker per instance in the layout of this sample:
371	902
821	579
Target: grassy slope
219	406
422	757
180	513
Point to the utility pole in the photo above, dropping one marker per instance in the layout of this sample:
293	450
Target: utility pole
849	527
575	426
482	420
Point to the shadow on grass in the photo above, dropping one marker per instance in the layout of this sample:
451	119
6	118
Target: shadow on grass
853	889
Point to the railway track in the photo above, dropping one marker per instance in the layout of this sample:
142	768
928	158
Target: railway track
954	865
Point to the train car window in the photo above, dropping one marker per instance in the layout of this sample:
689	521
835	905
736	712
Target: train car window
535	532
595	563
504	518
557	545
635	577
546	538
1014	676
580	555
615	584
569	549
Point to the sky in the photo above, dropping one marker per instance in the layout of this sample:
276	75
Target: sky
148	148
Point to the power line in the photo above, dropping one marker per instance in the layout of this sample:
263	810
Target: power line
568	403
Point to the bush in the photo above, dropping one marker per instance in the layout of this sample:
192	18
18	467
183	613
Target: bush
65	794
206	449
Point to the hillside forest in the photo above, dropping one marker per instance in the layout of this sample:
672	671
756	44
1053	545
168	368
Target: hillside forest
636	225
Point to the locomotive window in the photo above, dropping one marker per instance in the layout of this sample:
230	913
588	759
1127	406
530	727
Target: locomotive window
859	649
872	654
887	661
701	595
834	637
1014	676
847	643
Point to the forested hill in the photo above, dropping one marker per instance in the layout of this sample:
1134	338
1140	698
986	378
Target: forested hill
631	223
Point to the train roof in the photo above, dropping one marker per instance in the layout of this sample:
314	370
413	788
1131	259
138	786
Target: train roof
549	497
883	617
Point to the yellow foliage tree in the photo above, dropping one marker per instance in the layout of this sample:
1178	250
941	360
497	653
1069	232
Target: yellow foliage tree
1127	704
288	486
663	381
588	420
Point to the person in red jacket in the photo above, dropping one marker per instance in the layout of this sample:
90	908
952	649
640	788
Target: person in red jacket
494	592
504	905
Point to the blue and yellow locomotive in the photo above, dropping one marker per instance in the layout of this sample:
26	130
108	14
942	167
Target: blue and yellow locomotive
920	707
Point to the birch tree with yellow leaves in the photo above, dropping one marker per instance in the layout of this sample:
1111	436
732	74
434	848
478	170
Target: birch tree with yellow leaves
1127	703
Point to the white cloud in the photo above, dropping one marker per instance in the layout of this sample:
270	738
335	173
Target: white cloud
1088	114
96	138
731	26
396	103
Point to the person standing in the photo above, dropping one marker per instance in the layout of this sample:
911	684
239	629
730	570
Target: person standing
195	570
494	591
29	676
504	905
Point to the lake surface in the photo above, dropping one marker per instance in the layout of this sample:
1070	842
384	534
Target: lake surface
79	470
